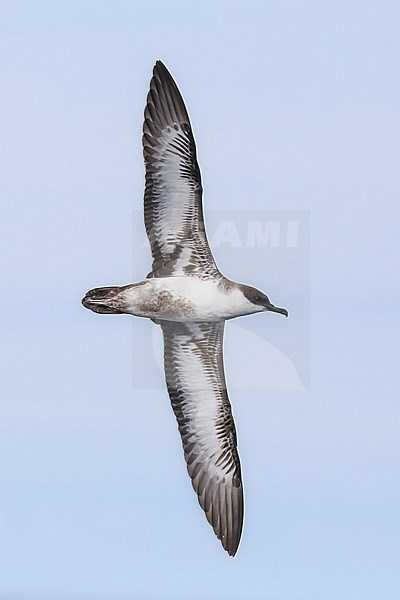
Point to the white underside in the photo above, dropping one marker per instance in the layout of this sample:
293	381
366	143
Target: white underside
186	299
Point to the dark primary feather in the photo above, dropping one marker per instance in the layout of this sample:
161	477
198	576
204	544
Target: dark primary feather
194	371
173	195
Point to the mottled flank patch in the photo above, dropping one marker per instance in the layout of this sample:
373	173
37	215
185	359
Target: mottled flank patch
166	305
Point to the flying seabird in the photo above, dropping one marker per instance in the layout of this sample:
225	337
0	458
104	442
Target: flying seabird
190	299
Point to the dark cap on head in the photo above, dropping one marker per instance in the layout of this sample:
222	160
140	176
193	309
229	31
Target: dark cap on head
260	299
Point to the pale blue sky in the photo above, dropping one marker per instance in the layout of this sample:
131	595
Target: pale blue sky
294	107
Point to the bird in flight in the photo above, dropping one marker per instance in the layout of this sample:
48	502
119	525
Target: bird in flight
190	299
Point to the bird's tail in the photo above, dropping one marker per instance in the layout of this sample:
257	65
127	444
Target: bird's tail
105	300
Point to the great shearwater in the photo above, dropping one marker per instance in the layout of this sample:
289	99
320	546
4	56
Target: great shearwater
190	299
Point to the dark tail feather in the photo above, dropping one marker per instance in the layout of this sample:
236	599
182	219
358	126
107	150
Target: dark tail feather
103	300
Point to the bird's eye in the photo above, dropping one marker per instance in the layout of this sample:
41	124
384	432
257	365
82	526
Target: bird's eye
259	299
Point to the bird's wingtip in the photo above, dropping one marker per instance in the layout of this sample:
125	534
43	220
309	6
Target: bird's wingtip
159	65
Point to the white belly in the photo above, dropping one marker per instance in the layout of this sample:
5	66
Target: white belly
185	299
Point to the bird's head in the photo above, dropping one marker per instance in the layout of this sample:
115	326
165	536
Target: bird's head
260	301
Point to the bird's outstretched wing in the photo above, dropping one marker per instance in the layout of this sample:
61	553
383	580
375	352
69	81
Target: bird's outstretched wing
173	210
194	371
